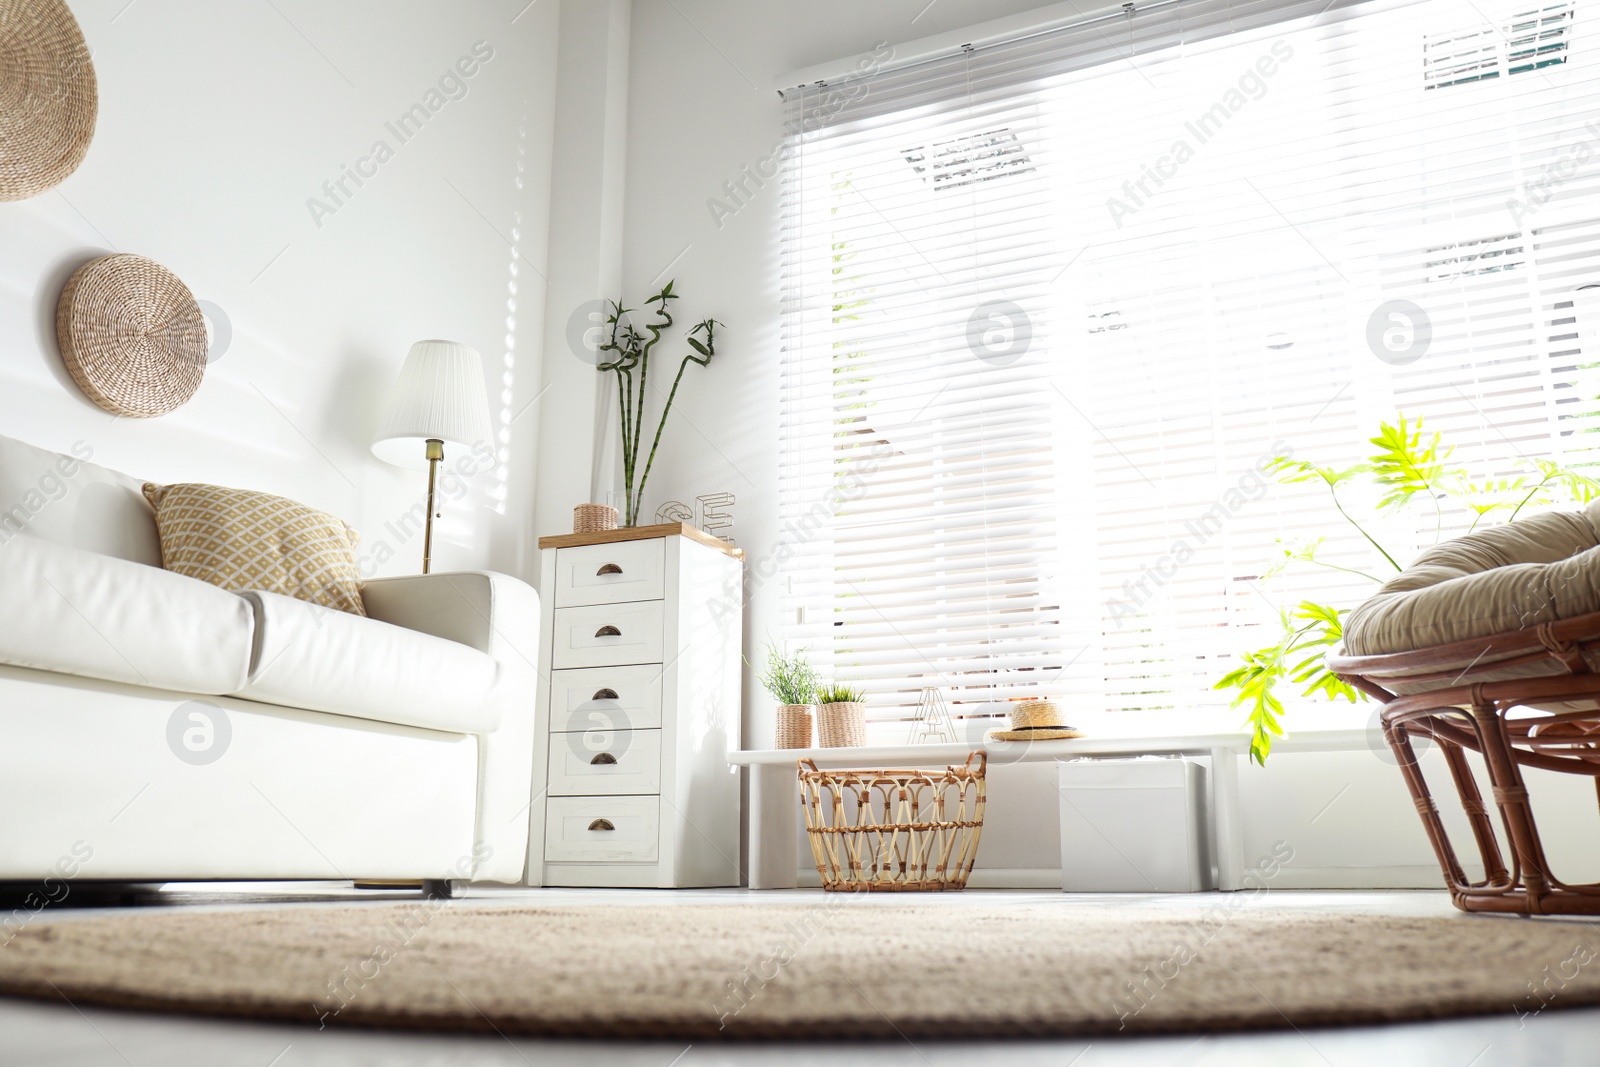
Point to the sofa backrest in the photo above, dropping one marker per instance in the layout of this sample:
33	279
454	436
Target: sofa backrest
66	499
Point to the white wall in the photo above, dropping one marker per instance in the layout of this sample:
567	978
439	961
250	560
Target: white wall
585	248
218	122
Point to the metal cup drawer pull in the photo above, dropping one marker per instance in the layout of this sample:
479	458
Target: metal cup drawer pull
604	694
609	568
601	824
602	758
608	631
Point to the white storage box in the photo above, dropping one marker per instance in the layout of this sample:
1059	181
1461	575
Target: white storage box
1134	826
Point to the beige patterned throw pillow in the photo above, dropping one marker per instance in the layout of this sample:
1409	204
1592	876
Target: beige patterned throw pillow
243	540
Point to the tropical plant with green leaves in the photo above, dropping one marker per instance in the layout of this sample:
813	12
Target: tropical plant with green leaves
630	361
789	676
1408	468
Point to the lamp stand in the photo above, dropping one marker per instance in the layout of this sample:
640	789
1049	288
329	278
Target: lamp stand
435	455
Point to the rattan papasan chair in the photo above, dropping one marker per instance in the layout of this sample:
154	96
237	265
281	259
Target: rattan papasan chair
1490	644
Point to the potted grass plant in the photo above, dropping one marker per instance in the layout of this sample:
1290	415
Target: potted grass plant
841	716
789	677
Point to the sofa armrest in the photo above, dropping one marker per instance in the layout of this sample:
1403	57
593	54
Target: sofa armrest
494	613
499	615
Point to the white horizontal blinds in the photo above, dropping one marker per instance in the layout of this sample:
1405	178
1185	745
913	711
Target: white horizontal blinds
1494	243
1532	39
917	277
1235	346
924	247
1221	207
1355	179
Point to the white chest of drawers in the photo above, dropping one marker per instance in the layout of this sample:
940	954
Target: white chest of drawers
640	703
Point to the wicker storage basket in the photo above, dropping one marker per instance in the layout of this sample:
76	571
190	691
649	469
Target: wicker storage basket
893	831
794	726
842	725
593	518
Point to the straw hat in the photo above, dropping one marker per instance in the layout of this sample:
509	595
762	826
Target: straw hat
1035	720
48	98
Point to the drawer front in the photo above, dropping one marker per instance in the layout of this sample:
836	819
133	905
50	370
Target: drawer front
634	836
607	635
611	574
609	763
606	698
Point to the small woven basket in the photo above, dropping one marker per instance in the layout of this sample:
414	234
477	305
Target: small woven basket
894	831
593	518
842	725
794	726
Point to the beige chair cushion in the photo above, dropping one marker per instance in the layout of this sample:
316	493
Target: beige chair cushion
243	540
1536	570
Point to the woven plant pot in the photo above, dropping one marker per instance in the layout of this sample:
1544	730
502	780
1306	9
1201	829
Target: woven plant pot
593	518
842	725
794	725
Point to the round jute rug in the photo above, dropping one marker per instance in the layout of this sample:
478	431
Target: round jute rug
839	968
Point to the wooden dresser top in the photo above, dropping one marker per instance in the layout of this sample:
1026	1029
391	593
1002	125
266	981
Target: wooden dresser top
641	533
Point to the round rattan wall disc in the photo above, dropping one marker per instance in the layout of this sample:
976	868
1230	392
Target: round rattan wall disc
48	98
132	335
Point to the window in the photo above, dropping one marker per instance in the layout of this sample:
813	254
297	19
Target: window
1049	307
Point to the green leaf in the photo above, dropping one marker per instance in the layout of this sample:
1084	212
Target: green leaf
1579	488
1290	471
1262	669
1408	464
1304	552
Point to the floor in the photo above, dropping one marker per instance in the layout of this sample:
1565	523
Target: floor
39	1034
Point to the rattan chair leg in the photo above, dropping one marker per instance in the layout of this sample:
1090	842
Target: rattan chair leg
1511	797
1399	739
1494	867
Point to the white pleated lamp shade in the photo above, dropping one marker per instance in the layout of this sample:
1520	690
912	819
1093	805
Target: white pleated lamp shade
440	396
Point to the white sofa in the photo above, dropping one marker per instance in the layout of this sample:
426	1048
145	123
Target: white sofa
159	728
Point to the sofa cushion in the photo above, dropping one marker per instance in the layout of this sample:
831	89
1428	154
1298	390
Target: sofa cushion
66	499
79	612
241	539
309	656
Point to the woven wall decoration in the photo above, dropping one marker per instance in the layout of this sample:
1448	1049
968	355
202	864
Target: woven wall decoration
48	96
132	336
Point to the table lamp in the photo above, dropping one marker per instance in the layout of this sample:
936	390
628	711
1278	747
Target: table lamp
439	400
